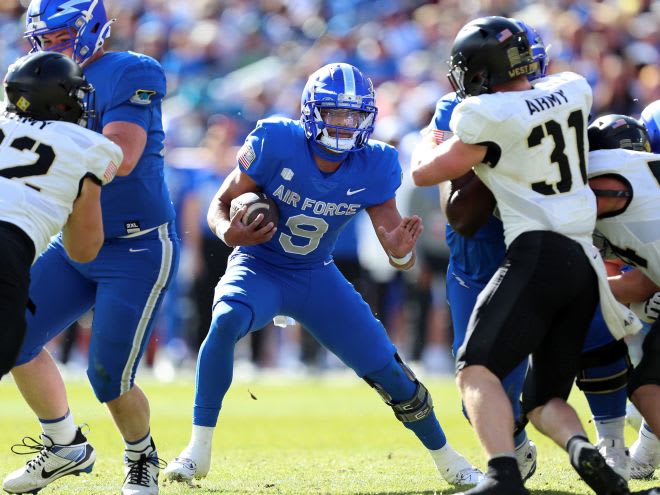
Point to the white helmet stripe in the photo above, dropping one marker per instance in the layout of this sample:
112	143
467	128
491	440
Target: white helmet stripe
349	79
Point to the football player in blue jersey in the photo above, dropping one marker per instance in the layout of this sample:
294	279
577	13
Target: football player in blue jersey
321	171
125	284
476	240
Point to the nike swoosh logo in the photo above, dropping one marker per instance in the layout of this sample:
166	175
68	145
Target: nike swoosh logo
47	474
131	250
326	263
350	193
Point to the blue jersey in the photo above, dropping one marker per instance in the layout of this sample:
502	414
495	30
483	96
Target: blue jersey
479	256
130	88
314	206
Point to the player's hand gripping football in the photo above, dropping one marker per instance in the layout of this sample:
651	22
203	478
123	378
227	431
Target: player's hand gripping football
238	234
401	240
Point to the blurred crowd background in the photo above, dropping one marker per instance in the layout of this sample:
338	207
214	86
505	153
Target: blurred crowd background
232	62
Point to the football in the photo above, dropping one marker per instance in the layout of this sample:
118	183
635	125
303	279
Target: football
256	203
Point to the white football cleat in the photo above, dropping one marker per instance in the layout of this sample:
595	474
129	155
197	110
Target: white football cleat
643	462
616	455
52	462
526	459
469	476
455	469
193	462
181	469
141	470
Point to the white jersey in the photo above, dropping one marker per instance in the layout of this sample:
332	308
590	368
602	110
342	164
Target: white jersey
538	174
536	168
635	232
42	165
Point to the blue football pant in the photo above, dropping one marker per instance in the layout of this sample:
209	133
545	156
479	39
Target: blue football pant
252	292
125	285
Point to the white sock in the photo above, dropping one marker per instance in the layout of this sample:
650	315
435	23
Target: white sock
199	446
647	441
139	446
62	430
445	456
610	428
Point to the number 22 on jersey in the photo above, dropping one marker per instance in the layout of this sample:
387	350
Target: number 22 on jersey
40	165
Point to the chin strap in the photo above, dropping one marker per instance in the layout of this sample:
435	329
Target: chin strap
326	154
609	193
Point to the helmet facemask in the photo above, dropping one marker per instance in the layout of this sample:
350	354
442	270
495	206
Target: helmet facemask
341	129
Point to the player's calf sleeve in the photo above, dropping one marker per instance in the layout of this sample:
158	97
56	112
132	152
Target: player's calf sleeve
215	363
603	379
410	401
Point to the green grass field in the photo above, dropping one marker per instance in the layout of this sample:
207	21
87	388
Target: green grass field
311	436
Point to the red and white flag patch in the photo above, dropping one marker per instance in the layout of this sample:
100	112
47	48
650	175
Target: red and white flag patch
246	155
504	35
441	136
110	172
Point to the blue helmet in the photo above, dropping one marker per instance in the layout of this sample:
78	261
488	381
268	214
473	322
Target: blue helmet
86	21
651	119
338	86
539	53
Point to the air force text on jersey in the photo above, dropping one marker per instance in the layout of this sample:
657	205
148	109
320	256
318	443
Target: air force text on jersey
317	207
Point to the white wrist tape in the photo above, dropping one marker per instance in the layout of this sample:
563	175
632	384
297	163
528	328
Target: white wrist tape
220	232
402	261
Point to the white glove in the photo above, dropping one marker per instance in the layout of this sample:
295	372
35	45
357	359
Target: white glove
648	310
283	321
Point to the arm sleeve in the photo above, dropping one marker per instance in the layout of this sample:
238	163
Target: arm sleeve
139	88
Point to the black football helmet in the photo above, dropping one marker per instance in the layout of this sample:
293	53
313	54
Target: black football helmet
489	51
49	86
615	131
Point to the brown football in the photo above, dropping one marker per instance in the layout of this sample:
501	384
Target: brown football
256	203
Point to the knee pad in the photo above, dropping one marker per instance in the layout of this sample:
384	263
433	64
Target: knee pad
231	317
396	381
605	369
